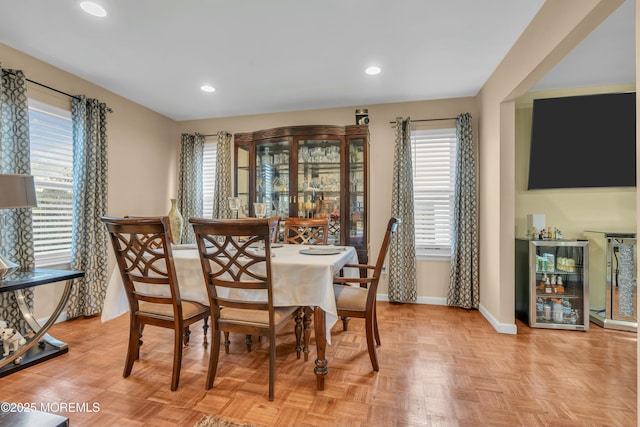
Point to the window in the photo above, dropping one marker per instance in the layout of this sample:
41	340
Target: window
50	132
209	160
434	158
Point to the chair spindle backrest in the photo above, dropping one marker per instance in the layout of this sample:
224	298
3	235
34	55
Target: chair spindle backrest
142	247
306	231
237	274
274	227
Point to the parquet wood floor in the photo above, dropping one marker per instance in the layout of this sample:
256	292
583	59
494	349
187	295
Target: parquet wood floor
440	366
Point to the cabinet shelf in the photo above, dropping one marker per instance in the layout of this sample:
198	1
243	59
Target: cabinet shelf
559	296
578	272
566	324
328	165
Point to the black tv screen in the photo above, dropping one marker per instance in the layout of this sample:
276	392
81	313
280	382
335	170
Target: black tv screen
583	141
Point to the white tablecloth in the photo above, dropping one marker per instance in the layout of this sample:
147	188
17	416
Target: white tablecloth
298	280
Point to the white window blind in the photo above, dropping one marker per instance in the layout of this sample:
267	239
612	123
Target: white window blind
50	133
434	158
209	160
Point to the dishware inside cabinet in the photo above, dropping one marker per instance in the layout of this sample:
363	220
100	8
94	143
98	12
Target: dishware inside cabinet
319	191
552	288
272	177
356	215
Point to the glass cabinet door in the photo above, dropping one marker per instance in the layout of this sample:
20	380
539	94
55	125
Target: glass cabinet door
356	209
243	179
318	181
272	177
559	285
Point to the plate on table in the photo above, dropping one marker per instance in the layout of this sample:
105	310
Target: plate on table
273	245
320	251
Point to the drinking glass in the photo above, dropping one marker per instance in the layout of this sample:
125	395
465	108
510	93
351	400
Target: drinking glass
260	209
234	205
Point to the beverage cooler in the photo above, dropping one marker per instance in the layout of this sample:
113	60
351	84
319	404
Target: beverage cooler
552	283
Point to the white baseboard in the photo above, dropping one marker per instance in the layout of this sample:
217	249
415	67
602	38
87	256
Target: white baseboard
61	318
503	328
421	300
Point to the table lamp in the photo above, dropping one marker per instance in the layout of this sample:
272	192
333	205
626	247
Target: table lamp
16	191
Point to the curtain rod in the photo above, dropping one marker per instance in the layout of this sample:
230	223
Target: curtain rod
216	134
429	120
51	88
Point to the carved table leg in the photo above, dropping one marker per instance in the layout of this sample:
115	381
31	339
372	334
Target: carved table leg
307	330
321	368
298	331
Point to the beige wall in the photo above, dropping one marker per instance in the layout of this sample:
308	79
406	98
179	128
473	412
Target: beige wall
558	27
573	210
141	150
432	276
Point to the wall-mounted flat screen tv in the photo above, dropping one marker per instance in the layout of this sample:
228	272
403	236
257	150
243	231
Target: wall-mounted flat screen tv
583	141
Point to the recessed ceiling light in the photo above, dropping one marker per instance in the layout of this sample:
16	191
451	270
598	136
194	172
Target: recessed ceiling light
372	71
93	9
207	88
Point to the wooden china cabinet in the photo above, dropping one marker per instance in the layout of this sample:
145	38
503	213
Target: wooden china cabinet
313	171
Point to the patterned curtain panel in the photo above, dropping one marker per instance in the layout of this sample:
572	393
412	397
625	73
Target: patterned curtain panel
464	286
223	177
190	183
17	236
402	251
89	236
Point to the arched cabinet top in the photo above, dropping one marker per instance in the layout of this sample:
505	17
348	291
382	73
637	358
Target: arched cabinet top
316	131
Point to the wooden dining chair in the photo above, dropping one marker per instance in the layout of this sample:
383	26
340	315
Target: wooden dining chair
360	301
274	227
306	231
142	248
239	284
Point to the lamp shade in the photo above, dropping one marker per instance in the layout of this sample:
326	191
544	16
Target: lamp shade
17	191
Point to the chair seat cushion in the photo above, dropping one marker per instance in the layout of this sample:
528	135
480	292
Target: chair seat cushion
189	309
255	317
351	298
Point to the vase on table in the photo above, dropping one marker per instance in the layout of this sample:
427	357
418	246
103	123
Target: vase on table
175	222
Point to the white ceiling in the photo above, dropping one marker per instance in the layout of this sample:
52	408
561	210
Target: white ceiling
268	56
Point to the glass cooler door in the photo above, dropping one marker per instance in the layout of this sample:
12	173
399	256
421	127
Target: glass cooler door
559	284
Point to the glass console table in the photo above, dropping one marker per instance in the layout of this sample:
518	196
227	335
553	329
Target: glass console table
40	346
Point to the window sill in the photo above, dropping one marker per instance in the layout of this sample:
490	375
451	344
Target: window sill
433	257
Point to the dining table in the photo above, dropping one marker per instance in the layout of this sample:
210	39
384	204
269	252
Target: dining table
301	275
